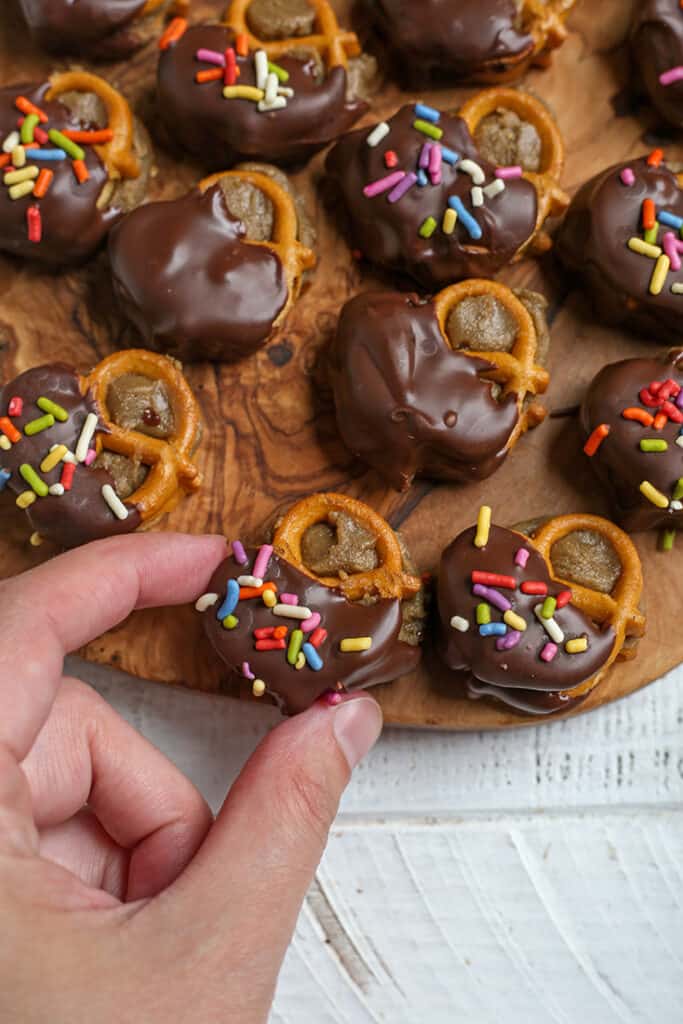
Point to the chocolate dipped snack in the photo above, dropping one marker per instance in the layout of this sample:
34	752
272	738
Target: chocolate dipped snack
440	41
442	388
88	457
657	50
622	235
221	266
536	621
441	197
101	29
273	83
331	604
632	419
74	161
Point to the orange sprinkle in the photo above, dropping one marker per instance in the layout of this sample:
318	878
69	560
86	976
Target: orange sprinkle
43	182
279	632
9	430
5	159
90	138
26	107
648	214
212	75
655	158
80	170
660	421
639	415
247	592
242	44
176	28
595	440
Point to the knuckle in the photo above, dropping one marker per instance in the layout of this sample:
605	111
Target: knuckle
306	800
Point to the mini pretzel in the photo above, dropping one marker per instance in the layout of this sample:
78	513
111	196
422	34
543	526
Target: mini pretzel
118	156
618	609
552	200
387	580
544	20
516	370
330	41
171	468
294	257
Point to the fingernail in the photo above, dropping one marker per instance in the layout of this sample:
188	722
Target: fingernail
357	724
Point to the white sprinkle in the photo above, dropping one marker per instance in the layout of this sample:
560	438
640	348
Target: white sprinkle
474	170
292	611
271	88
115	504
494	189
206	601
285	90
5	443
379	132
261	68
676	505
11	142
250	581
550	626
56	489
86	437
477	195
462	625
279	103
677	288
679	440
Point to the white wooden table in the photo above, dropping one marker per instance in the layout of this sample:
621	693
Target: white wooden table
526	877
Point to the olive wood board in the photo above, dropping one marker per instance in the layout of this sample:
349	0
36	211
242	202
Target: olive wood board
270	429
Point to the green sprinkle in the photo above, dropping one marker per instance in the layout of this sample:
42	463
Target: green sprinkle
678	489
275	69
69	147
33	480
432	130
427	227
483	614
29	127
548	608
42	423
47	405
230	621
651	444
296	640
650	235
666	539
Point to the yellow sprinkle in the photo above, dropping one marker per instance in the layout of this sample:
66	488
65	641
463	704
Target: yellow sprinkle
481	537
659	274
450	219
25	174
5	443
24	188
269	598
577	646
35	540
356	643
514	620
243	92
258	687
19	156
653	495
677	288
25	499
54	458
644	248
300	660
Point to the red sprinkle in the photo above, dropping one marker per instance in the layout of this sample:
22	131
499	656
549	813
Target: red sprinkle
264	632
67	476
270	645
672	412
391	158
9	429
34	223
647	398
230	70
655	158
494	579
16	406
563	598
668	388
317	636
595	440
534	587
655	386
648	214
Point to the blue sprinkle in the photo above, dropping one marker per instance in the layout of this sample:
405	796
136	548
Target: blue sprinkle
422	178
312	657
232	596
448	156
670	219
493	629
468	221
4	477
45	154
427	113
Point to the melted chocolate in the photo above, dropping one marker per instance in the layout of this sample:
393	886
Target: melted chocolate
295	690
72	225
221	132
518	677
619	462
593	239
80	514
406	402
388	233
196	289
657	46
63	26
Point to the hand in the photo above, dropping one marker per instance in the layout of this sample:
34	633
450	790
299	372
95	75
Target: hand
121	900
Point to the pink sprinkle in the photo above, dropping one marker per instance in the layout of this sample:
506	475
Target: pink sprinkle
289	599
506	173
261	561
403	186
238	553
522	557
246	671
309	624
211	57
375	188
671	248
671	76
549	652
425	153
628	177
435	158
90	457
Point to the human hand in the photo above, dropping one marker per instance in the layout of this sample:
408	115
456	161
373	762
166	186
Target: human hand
120	898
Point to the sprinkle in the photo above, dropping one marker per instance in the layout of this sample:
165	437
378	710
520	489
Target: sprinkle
317	637
491	595
90	138
86	436
521	557
659	274
548	607
81	171
659	421
636	244
483	614
650	236
25	499
674	74
290	611
493	579
67	476
462	625
655	158
379	132
261	68
391	158
280	73
510	640
448	156
435	164
653	445
205	602
427	227
242	44
354	644
69	147
534	587
576	646
428	129
471	226
287	598
653	495
230	70
427	113
28	108
29	474
210	57
493	629
312	657
549	651
176	28
269	599
5	443
232	594
375	188
211	75
627	176
514	621
678	489
56	489
43	183
403	186
4	477
300	661
295	641
246	670
90	457
474	170
242	92
677	288
311	623
667	540
46	154
238	553
260	566
494	189
39	425
258	688
19	156
112	499
423	160
549	625
272	644
279	103
596	438
264	632
11	142
9	429
638	415
648	214
230	622
28	127
250	581
450	219
58	411
34	224
422	178
25	174
52	460
477	196
4	159
481	536
506	173
271	87
563	598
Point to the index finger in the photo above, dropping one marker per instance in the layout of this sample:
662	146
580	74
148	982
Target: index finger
61	605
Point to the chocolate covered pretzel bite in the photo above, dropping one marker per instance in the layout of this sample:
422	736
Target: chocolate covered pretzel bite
657	49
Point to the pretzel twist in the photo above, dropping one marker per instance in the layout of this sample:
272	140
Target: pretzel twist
551	199
118	156
544	20
330	41
516	370
389	578
170	467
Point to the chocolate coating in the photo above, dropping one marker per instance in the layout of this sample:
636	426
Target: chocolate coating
619	463
295	690
196	289
593	239
97	27
80	514
220	132
406	402
518	677
657	46
388	233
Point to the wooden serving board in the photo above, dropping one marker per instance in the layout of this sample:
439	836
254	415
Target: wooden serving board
271	433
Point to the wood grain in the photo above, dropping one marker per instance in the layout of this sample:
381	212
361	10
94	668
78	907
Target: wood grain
272	436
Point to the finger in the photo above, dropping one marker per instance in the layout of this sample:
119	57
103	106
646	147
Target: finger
61	605
87	754
83	847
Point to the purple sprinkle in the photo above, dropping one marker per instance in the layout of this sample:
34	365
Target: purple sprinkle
522	557
403	186
679	399
424	156
211	57
289	599
238	553
375	188
510	640
628	177
493	596
246	671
